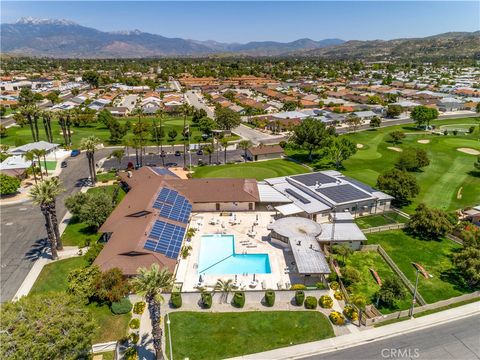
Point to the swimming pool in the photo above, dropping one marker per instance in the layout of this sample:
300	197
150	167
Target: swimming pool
217	256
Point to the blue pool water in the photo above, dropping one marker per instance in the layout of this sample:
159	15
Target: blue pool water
217	256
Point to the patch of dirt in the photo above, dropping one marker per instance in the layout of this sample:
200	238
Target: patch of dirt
469	151
425	141
395	149
359	146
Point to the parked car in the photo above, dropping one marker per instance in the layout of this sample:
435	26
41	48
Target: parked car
63	164
75	152
163	153
178	153
170	164
199	152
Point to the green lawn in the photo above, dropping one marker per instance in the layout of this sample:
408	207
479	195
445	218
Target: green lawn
22	135
450	173
434	256
106	176
259	170
53	278
366	222
208	336
363	261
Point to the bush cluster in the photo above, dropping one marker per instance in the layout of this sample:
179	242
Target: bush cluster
311	302
239	299
134	338
206	298
350	313
121	307
176	300
334	285
298	287
325	302
337	318
338	295
299	297
270	298
139	307
134	324
320	285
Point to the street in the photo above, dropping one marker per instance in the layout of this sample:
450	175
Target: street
194	100
454	340
23	235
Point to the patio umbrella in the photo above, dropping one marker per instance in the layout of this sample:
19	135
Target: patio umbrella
253	277
200	279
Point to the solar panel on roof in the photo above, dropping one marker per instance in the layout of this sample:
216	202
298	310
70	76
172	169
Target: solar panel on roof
360	185
165	238
172	205
163	171
343	193
297	196
314	178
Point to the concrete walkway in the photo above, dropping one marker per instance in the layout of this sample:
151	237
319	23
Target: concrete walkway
367	336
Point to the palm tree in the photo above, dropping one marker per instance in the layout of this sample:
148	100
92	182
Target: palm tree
208	150
38	154
27	113
118	154
226	287
47	119
45	194
186	110
89	144
160	114
224	143
30	156
245	145
150	283
360	302
139	130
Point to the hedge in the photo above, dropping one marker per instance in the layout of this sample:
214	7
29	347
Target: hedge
270	298
298	287
336	318
134	324
121	307
239	299
206	300
176	300
139	307
325	302
311	302
299	297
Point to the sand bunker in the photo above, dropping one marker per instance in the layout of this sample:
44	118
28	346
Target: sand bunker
359	146
423	141
469	151
395	149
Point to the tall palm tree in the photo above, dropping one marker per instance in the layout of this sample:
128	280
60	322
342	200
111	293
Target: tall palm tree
224	143
27	113
150	283
244	145
89	144
160	112
44	194
185	110
225	286
47	119
139	130
208	150
62	121
43	153
38	154
30	156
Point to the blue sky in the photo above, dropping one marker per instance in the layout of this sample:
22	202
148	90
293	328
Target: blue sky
255	21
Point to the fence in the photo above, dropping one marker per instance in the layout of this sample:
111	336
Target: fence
400	212
454	239
419	309
384	228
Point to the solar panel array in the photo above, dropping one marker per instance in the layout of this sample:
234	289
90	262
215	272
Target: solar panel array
343	193
163	171
172	205
165	238
312	179
360	185
297	196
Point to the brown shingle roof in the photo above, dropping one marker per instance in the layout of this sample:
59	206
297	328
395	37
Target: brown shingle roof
266	149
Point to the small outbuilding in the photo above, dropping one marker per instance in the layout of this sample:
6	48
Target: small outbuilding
265	152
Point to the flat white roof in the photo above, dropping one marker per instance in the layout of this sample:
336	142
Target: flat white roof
341	232
269	194
40	145
15	162
288	209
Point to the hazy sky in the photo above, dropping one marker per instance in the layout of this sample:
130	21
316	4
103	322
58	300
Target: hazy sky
245	21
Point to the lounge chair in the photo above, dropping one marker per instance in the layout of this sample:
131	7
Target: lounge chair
264	284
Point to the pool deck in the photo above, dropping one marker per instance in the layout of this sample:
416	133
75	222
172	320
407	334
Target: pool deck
245	243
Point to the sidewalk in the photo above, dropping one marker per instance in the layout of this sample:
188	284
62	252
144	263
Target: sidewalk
367	336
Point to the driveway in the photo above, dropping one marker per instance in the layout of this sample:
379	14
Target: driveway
23	235
194	99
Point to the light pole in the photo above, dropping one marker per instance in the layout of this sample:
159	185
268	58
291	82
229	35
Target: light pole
169	337
414	295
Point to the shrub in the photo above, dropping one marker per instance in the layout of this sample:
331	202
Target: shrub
134	338
471	129
298	287
176	300
299	297
111	285
445	132
311	302
93	252
337	318
338	295
8	184
239	299
334	285
131	353
206	300
332	277
350	312
320	285
455	132
350	275
325	302
134	324
270	298
121	307
139	307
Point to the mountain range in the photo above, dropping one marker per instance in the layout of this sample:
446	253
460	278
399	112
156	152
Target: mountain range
67	39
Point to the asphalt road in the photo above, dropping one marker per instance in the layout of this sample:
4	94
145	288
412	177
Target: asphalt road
454	340
23	235
194	99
